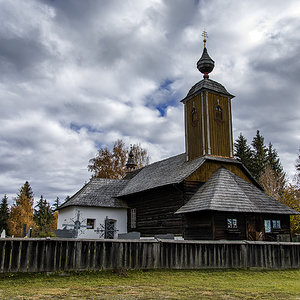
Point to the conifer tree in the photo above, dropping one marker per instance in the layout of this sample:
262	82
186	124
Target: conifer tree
43	218
4	214
273	159
243	152
21	212
259	155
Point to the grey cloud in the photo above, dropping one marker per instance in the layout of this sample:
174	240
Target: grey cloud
79	74
20	58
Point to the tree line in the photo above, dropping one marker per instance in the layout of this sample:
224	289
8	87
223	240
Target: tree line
264	164
23	215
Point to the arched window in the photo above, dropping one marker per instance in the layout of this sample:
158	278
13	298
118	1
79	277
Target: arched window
219	114
195	117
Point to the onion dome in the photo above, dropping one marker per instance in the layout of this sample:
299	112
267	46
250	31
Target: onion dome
205	64
131	164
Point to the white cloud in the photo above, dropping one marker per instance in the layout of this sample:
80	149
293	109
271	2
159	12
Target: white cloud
79	74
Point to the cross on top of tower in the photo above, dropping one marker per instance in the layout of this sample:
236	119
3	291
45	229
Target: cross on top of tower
204	34
205	64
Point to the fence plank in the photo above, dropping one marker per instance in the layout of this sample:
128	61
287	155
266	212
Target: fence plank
42	255
7	255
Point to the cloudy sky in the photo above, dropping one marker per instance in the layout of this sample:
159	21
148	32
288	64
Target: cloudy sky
78	75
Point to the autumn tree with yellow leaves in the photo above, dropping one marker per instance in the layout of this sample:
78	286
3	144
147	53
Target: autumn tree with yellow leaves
21	212
112	164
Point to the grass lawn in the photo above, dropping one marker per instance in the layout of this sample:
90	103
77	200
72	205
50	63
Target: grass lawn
157	284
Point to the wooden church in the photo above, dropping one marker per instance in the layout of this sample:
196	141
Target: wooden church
202	194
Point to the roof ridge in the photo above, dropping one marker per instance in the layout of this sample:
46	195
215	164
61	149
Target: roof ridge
159	161
104	179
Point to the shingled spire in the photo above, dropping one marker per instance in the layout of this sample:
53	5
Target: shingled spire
205	64
131	164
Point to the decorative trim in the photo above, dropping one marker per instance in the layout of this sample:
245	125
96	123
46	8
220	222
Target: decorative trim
207	123
203	129
230	128
186	133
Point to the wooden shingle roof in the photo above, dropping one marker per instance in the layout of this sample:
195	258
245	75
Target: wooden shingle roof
206	85
165	172
98	192
225	191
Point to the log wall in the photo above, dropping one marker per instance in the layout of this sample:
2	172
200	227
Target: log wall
155	211
49	255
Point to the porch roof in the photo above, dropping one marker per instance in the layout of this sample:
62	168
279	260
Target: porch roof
225	191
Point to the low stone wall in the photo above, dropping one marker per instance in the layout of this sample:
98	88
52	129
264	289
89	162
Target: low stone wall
47	255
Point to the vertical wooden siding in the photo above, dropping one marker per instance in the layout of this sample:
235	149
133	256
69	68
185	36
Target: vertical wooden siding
209	167
206	131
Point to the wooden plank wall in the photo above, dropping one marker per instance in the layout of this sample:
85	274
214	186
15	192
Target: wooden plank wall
50	255
203	130
219	131
155	211
194	129
209	167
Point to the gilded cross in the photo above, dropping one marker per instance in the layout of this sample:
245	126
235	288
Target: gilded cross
204	34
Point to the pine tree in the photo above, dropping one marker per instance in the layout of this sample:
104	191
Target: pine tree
43	218
243	152
273	159
259	155
4	214
21	212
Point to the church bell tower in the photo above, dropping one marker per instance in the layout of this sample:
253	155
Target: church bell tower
207	111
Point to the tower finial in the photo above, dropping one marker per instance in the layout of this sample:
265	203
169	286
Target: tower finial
204	34
131	164
205	64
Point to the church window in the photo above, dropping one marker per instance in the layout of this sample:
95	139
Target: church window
90	223
195	117
276	224
268	226
133	218
218	113
231	223
272	225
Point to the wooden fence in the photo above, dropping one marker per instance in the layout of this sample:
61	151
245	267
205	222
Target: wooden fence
48	255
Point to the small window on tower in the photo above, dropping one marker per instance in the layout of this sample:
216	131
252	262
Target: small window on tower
218	113
194	117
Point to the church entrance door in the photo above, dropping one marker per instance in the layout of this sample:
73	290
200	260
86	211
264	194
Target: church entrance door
110	228
250	228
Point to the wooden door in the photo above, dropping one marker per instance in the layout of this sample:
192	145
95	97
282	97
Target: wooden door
250	228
